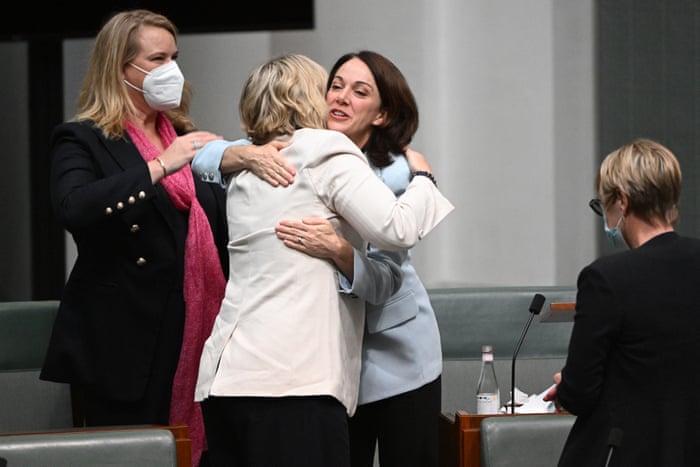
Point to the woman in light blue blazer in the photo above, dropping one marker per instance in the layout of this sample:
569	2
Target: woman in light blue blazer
400	391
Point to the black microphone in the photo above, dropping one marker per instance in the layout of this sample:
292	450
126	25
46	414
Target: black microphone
614	441
535	308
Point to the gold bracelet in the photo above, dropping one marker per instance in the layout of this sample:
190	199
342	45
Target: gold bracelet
162	166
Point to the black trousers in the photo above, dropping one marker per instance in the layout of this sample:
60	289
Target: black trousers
306	431
404	426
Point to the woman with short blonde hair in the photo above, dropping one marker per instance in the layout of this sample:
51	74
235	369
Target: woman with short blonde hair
650	176
631	372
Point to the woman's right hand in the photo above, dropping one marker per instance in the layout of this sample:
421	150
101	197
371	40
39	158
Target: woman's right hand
182	150
551	394
265	161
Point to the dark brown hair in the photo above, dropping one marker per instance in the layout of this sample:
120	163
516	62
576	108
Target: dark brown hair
397	101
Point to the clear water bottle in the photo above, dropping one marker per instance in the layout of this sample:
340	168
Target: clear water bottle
488	397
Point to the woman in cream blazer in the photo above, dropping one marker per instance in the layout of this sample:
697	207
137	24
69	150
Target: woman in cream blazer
281	369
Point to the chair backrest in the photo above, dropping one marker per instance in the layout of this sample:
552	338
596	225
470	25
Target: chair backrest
524	440
127	447
29	404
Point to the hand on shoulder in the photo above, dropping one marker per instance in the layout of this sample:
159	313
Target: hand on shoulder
417	161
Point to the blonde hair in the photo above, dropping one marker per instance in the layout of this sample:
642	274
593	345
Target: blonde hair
281	96
649	174
103	97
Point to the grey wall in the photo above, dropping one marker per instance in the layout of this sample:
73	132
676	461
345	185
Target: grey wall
506	95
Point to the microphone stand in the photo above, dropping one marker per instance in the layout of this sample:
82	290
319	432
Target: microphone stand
535	308
614	441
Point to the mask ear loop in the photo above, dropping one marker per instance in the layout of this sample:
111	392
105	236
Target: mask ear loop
133	86
140	69
624	203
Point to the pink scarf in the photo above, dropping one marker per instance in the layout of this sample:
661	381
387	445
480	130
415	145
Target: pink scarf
204	285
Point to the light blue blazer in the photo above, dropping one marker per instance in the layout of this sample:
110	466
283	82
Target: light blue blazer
401	348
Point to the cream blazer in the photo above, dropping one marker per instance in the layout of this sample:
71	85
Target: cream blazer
283	328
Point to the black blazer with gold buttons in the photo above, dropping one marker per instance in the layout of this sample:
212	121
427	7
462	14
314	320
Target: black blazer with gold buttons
125	291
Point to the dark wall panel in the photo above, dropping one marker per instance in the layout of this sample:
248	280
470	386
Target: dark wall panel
648	85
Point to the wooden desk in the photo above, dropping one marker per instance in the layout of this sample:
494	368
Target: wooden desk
183	444
460	438
561	312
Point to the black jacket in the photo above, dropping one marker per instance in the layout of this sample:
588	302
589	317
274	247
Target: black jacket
125	290
633	367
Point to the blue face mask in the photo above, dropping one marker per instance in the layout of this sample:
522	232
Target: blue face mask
614	233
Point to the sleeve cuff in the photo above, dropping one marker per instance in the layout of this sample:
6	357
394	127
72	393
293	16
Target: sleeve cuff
207	160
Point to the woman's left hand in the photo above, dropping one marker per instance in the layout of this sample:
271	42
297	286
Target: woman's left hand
417	161
266	161
314	236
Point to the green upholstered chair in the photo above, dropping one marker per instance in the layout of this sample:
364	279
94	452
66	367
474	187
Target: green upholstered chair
115	448
524	440
29	404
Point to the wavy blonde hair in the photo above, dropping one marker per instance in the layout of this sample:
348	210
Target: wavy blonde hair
103	97
649	174
283	95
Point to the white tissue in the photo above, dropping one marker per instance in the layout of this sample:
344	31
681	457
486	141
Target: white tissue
530	404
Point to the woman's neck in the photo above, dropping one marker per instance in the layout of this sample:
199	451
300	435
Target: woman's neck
639	231
148	125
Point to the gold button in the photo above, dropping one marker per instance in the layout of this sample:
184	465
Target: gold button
135	228
132	200
142	195
120	205
108	211
141	261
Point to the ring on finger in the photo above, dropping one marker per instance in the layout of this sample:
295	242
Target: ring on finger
299	240
196	144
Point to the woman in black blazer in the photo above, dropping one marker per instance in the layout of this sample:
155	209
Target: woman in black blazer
632	374
151	238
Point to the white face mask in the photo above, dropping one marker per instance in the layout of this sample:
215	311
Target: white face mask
162	86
